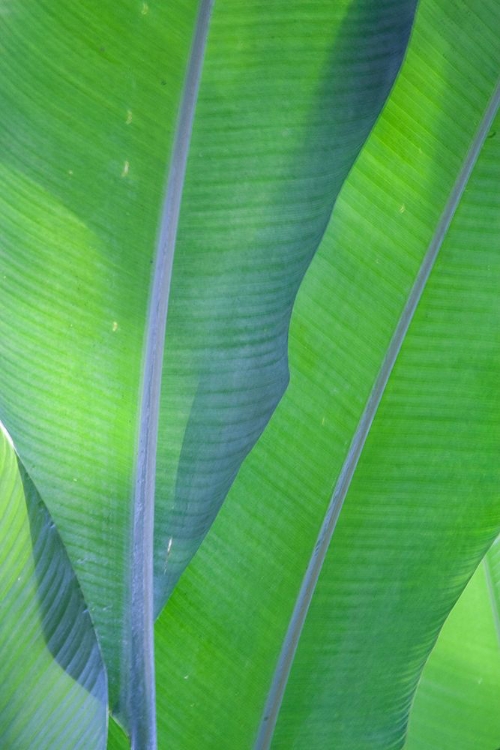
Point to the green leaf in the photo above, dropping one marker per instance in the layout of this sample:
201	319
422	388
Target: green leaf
84	156
288	94
50	666
117	739
423	505
492	565
456	703
277	129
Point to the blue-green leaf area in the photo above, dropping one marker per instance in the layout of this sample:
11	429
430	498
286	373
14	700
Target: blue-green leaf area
54	689
288	95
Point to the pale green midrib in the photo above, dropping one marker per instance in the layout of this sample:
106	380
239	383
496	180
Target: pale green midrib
138	658
494	599
303	601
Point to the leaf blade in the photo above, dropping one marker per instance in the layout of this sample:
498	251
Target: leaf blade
47	642
456	699
257	549
83	174
341	489
432	434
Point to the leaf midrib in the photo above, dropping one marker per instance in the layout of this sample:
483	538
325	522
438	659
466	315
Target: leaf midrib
306	592
139	684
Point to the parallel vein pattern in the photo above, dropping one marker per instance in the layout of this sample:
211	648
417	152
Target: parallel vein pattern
91	96
349	467
46	634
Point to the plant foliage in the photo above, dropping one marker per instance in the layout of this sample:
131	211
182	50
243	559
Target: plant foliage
185	159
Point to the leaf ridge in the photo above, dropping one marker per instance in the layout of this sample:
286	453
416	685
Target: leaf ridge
139	698
306	591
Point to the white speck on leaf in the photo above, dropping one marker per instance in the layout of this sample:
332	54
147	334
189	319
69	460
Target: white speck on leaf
125	169
169	547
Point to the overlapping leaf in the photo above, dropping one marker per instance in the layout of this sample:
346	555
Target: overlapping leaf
54	692
90	96
456	704
424	504
289	93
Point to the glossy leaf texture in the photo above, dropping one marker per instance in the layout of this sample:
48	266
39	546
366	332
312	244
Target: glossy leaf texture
289	92
456	703
54	691
423	506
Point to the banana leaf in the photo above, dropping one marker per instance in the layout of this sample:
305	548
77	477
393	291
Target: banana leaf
391	415
54	690
422	508
95	131
456	703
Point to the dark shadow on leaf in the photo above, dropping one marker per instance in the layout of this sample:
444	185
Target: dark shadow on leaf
241	362
66	623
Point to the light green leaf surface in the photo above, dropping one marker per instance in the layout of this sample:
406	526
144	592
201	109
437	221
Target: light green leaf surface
53	684
456	703
117	738
426	488
423	506
91	93
492	564
289	92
